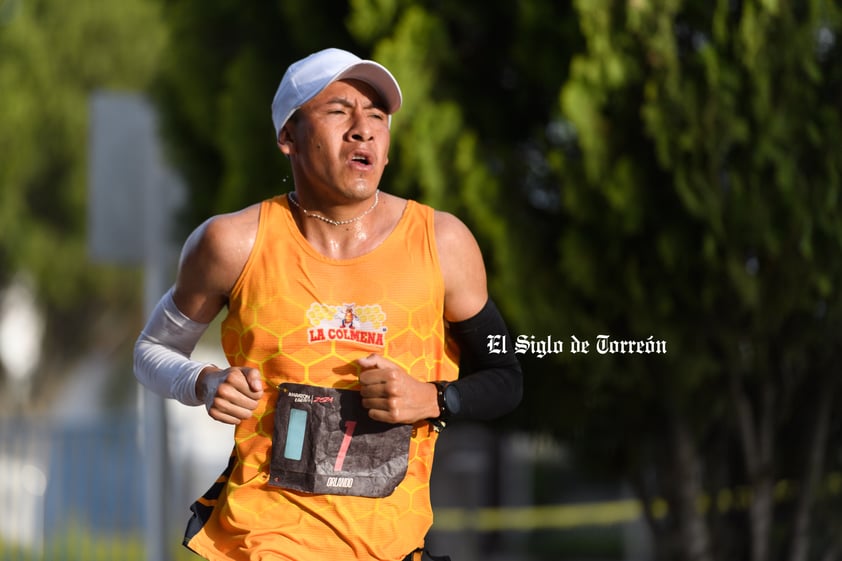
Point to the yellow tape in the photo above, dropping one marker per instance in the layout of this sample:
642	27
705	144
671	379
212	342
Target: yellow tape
604	513
537	517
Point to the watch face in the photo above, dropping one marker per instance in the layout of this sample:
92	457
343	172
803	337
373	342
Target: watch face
453	400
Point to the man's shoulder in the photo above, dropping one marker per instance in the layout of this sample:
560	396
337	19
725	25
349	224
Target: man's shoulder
449	228
232	224
444	220
226	236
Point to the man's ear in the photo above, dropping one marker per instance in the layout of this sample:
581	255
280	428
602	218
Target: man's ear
285	141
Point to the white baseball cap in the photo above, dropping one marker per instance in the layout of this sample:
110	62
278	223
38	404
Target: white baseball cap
307	77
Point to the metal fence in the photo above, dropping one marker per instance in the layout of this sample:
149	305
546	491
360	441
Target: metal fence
70	491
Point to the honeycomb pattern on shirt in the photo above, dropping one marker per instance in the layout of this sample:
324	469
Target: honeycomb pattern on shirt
299	317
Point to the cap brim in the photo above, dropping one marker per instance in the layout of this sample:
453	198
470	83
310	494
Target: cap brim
377	77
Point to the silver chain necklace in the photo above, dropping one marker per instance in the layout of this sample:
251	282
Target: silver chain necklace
293	198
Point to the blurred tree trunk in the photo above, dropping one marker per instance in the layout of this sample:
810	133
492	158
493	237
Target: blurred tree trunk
756	430
688	469
814	463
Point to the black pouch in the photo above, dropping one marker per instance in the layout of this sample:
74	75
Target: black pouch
325	443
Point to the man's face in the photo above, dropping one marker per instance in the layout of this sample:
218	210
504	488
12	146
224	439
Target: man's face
338	142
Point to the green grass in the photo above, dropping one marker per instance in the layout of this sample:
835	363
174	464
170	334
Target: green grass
80	544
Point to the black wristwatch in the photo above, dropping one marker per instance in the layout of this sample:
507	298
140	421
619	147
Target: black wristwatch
450	402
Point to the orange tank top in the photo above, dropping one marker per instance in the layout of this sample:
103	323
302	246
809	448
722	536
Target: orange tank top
300	317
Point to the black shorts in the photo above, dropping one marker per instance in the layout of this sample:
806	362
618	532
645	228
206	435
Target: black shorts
424	555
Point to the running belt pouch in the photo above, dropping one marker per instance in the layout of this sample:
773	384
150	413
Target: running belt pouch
324	442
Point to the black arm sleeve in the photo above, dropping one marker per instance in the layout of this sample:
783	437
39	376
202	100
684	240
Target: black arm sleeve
490	384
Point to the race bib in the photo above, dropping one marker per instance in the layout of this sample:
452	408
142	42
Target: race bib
324	442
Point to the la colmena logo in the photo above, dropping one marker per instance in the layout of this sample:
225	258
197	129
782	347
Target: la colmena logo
346	322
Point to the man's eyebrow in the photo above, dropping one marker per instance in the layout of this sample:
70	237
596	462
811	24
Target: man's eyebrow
338	101
347	103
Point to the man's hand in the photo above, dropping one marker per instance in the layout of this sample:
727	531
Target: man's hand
393	396
230	395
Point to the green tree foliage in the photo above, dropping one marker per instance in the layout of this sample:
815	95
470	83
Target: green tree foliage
54	55
216	87
703	209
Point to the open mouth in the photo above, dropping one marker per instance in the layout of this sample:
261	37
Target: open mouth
362	159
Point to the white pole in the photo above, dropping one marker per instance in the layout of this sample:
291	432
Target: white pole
157	215
132	199
155	448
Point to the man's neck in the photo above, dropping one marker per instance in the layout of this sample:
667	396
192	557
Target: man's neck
354	237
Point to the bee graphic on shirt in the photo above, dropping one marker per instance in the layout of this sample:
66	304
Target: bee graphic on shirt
349	318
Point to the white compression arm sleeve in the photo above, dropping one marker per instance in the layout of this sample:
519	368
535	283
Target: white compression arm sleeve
162	353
